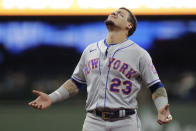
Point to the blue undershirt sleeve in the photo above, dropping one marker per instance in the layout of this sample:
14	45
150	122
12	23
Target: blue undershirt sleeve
155	86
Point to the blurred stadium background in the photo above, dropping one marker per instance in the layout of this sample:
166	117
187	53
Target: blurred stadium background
41	43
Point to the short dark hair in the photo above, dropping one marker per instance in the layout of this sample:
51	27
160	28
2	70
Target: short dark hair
132	19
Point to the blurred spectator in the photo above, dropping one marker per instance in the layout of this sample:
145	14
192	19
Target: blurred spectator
186	86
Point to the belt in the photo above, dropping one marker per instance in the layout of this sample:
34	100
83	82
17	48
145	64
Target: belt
112	114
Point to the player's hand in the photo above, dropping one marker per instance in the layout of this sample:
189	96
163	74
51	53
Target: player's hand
43	101
164	115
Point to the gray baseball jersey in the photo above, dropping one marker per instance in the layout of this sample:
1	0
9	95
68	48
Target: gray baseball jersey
114	74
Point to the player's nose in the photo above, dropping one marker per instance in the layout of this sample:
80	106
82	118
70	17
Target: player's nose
114	14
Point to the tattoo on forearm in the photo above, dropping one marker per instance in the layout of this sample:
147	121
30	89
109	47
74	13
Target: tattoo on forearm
71	88
159	92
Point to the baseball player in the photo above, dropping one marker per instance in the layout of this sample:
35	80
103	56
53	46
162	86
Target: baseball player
113	69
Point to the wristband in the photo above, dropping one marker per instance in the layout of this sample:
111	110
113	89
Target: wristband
58	95
160	102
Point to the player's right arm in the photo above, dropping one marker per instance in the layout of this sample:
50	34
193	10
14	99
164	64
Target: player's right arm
70	88
43	101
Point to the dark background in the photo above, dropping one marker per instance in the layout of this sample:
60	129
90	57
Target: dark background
45	67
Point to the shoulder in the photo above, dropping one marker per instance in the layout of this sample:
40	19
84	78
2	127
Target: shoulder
92	46
143	54
137	49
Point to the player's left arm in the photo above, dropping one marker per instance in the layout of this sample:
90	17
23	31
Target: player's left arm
159	96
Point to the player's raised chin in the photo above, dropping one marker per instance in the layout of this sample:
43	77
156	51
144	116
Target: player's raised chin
118	20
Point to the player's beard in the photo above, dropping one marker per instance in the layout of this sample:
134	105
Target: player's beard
109	23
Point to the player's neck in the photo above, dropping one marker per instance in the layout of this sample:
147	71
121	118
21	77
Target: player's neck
115	37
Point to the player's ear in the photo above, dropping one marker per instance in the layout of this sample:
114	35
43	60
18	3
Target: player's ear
129	26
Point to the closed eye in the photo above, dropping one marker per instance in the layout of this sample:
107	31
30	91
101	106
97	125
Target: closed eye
121	15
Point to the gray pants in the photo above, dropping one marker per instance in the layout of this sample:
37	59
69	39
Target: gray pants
95	123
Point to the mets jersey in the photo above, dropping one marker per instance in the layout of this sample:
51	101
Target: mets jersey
114	74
